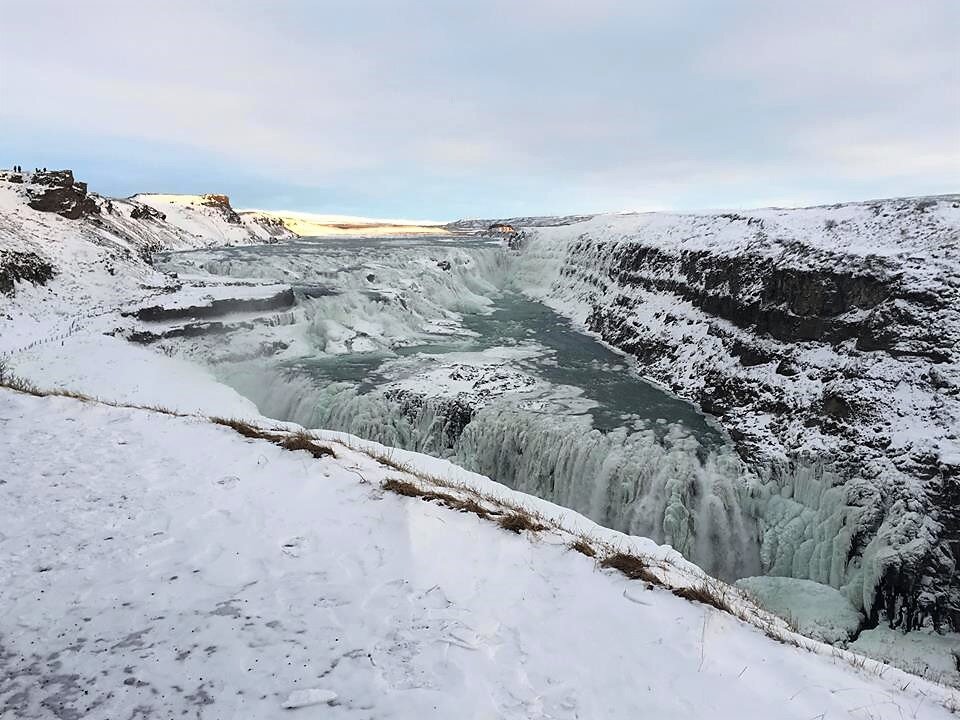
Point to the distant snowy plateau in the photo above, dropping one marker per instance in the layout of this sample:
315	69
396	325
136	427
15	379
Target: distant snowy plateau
614	466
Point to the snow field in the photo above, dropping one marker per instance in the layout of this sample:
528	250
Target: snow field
161	564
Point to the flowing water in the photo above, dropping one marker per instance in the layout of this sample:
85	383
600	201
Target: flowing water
428	345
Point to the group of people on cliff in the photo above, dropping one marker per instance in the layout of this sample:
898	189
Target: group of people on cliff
19	169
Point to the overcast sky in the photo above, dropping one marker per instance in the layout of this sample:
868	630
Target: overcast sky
451	108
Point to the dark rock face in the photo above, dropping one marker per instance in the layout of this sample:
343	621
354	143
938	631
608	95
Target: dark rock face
836	406
451	414
61	194
145	212
753	291
273	225
902	326
145	337
22	266
222	203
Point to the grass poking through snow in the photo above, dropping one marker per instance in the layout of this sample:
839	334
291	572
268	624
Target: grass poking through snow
583	547
242	427
712	594
302	440
518	522
633	566
298	440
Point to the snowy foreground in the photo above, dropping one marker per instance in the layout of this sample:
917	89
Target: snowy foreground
156	566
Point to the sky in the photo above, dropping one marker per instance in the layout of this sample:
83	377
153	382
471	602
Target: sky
444	109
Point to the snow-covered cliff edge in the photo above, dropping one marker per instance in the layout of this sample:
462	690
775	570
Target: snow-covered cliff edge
825	340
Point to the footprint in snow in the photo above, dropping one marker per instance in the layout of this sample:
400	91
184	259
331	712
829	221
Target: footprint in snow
294	547
462	637
228	481
313	696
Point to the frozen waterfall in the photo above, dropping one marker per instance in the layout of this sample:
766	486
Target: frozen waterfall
657	482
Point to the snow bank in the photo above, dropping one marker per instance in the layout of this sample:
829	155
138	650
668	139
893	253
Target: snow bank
925	652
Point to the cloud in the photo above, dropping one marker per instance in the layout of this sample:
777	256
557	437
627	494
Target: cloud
486	108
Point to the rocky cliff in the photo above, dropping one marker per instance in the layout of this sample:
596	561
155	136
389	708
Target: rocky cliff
826	342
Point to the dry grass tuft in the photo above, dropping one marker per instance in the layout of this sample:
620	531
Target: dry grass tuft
583	547
299	440
408	489
632	566
302	440
402	487
385	459
18	384
469	506
161	409
518	522
708	594
71	394
244	428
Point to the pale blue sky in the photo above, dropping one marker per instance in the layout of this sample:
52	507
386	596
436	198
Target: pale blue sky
445	109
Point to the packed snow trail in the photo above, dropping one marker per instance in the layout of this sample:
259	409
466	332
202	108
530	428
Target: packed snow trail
161	566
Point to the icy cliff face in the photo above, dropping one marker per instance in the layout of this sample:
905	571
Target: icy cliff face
825	340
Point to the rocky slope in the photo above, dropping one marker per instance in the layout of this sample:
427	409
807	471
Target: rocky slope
68	255
825	340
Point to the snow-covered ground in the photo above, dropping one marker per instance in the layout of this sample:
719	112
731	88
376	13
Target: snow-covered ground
159	565
162	566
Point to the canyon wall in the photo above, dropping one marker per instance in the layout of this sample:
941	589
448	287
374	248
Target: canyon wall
825	341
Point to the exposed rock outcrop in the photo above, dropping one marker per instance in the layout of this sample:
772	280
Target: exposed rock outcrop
222	203
56	191
145	212
23	267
